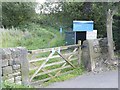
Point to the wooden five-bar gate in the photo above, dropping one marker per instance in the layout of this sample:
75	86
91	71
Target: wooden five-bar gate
46	64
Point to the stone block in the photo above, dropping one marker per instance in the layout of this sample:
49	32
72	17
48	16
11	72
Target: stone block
15	52
18	78
15	74
6	54
3	56
16	61
4	62
7	70
18	70
15	67
10	62
20	82
11	80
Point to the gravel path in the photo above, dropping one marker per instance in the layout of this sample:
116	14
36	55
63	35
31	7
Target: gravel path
90	80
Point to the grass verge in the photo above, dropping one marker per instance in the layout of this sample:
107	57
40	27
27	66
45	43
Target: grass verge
78	71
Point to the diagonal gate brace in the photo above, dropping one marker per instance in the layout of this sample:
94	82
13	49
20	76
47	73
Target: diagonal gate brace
53	51
66	60
66	63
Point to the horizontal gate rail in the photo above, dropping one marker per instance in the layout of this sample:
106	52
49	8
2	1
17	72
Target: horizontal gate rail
61	60
55	63
50	49
46	79
55	56
53	70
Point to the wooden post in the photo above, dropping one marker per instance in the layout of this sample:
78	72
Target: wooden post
79	53
0	69
24	66
109	34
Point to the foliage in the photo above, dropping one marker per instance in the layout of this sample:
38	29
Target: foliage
16	13
57	14
33	37
76	11
69	11
116	31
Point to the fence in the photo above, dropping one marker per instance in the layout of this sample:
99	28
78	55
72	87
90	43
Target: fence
34	67
46	64
17	65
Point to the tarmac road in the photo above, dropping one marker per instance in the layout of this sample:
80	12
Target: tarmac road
107	79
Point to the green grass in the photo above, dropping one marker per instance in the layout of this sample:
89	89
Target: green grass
33	37
13	85
78	71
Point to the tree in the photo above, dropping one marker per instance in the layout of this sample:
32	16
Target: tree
16	13
110	14
96	11
116	31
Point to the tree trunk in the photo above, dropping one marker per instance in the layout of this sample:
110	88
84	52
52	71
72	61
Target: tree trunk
110	34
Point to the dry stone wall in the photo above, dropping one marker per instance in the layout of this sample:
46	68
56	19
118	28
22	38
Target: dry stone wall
12	65
95	55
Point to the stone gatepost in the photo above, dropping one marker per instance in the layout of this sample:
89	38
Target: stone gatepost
14	66
95	54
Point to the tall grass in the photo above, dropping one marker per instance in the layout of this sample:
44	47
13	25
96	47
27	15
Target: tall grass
9	38
34	38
